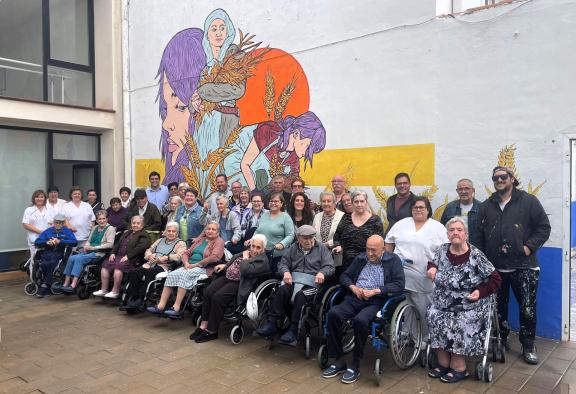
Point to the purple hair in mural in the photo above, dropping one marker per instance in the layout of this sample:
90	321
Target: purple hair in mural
309	126
179	72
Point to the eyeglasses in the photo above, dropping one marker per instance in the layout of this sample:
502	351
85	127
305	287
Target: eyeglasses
463	189
418	208
297	186
275	201
503	177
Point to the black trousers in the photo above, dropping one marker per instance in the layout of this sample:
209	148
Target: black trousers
524	284
362	314
138	281
217	296
282	304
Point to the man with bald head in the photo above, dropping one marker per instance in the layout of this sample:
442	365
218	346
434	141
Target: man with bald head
339	189
371	279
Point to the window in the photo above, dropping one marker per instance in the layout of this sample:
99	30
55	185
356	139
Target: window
23	155
444	7
47	50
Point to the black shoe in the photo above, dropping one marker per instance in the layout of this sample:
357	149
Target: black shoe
530	356
196	334
206	336
43	292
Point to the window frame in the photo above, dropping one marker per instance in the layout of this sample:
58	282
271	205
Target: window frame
48	61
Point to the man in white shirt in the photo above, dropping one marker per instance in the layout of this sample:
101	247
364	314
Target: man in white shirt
157	194
54	203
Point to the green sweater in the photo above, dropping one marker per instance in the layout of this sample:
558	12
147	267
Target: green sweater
279	230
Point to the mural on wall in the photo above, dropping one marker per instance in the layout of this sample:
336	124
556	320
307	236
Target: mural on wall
237	109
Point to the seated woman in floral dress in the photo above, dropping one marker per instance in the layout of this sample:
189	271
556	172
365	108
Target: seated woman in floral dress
460	311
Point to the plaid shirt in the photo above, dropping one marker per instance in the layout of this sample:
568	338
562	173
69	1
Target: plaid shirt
371	276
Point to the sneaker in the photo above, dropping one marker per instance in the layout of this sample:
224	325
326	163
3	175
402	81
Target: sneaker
268	329
173	313
196	334
99	293
206	336
111	295
289	338
350	376
154	310
530	356
333	371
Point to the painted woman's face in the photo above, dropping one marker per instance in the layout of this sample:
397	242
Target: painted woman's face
217	33
176	122
300	144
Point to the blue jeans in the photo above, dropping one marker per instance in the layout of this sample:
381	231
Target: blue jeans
76	263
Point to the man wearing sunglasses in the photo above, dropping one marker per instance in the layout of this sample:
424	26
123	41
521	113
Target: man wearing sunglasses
512	226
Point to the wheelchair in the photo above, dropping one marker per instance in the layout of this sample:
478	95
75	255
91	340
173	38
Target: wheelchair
89	280
237	315
31	287
312	315
398	327
493	344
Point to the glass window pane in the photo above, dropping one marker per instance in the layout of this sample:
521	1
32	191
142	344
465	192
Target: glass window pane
24	161
69	86
69	31
74	147
21	49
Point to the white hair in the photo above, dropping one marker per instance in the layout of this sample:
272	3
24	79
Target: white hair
260	237
457	219
174	225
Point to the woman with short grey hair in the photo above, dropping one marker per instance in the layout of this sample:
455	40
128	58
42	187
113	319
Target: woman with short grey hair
162	255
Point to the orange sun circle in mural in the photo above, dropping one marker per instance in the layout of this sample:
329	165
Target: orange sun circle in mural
269	87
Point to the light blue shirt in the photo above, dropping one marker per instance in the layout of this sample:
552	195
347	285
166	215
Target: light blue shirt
158	197
371	276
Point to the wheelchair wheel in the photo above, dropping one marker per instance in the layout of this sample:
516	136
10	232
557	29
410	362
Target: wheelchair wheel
484	372
198	320
236	335
347	337
405	335
83	292
30	288
498	352
307	347
378	371
323	356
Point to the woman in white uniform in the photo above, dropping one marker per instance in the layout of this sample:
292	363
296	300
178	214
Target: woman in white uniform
36	219
79	215
415	240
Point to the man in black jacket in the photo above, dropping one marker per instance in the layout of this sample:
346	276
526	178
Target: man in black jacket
512	226
370	279
151	214
398	205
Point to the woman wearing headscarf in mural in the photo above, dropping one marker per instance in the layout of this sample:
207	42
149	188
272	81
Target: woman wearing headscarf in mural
220	85
179	72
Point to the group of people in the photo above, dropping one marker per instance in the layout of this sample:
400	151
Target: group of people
448	269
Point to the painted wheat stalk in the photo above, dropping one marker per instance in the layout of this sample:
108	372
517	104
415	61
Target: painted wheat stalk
506	158
284	98
269	93
429	192
233	136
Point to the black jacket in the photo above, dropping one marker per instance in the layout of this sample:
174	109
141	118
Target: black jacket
503	234
393	275
403	212
152	217
250	271
136	247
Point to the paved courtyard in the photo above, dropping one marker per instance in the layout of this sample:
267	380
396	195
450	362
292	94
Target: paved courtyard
62	344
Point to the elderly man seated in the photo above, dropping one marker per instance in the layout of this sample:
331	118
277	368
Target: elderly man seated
370	279
304	266
54	239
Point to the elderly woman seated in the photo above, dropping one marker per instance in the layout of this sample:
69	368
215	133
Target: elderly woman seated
460	308
242	272
206	250
100	239
229	222
127	254
159	257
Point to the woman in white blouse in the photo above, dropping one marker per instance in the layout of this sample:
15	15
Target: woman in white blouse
79	215
415	240
36	219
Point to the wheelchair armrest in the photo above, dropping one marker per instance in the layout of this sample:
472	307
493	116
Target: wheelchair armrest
162	275
392	302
